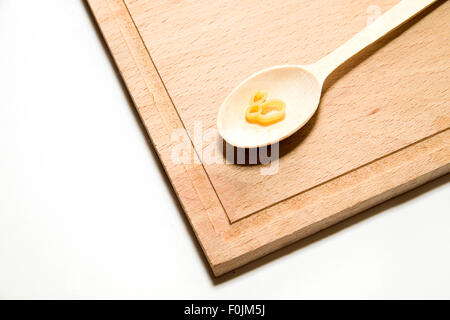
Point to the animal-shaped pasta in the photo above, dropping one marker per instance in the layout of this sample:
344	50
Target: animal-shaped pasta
265	111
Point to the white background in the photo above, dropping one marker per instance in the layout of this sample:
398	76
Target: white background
86	210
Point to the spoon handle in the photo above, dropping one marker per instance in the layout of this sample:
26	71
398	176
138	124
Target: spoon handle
399	14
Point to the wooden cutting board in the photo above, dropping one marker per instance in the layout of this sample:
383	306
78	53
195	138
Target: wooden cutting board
382	127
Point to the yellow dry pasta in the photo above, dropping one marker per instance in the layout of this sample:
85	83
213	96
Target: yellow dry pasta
263	111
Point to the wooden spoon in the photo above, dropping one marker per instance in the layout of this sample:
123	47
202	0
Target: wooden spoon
298	86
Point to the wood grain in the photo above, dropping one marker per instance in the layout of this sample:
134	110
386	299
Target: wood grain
412	146
384	100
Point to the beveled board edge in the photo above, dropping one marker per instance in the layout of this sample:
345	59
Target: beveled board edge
228	246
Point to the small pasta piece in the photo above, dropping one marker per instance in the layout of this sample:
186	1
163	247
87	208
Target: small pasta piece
264	112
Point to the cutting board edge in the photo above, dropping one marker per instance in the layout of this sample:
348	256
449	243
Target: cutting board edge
343	202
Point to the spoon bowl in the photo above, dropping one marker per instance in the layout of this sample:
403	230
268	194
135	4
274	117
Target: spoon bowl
295	85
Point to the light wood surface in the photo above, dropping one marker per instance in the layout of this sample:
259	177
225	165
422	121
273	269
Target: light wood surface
399	14
299	86
202	52
381	128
